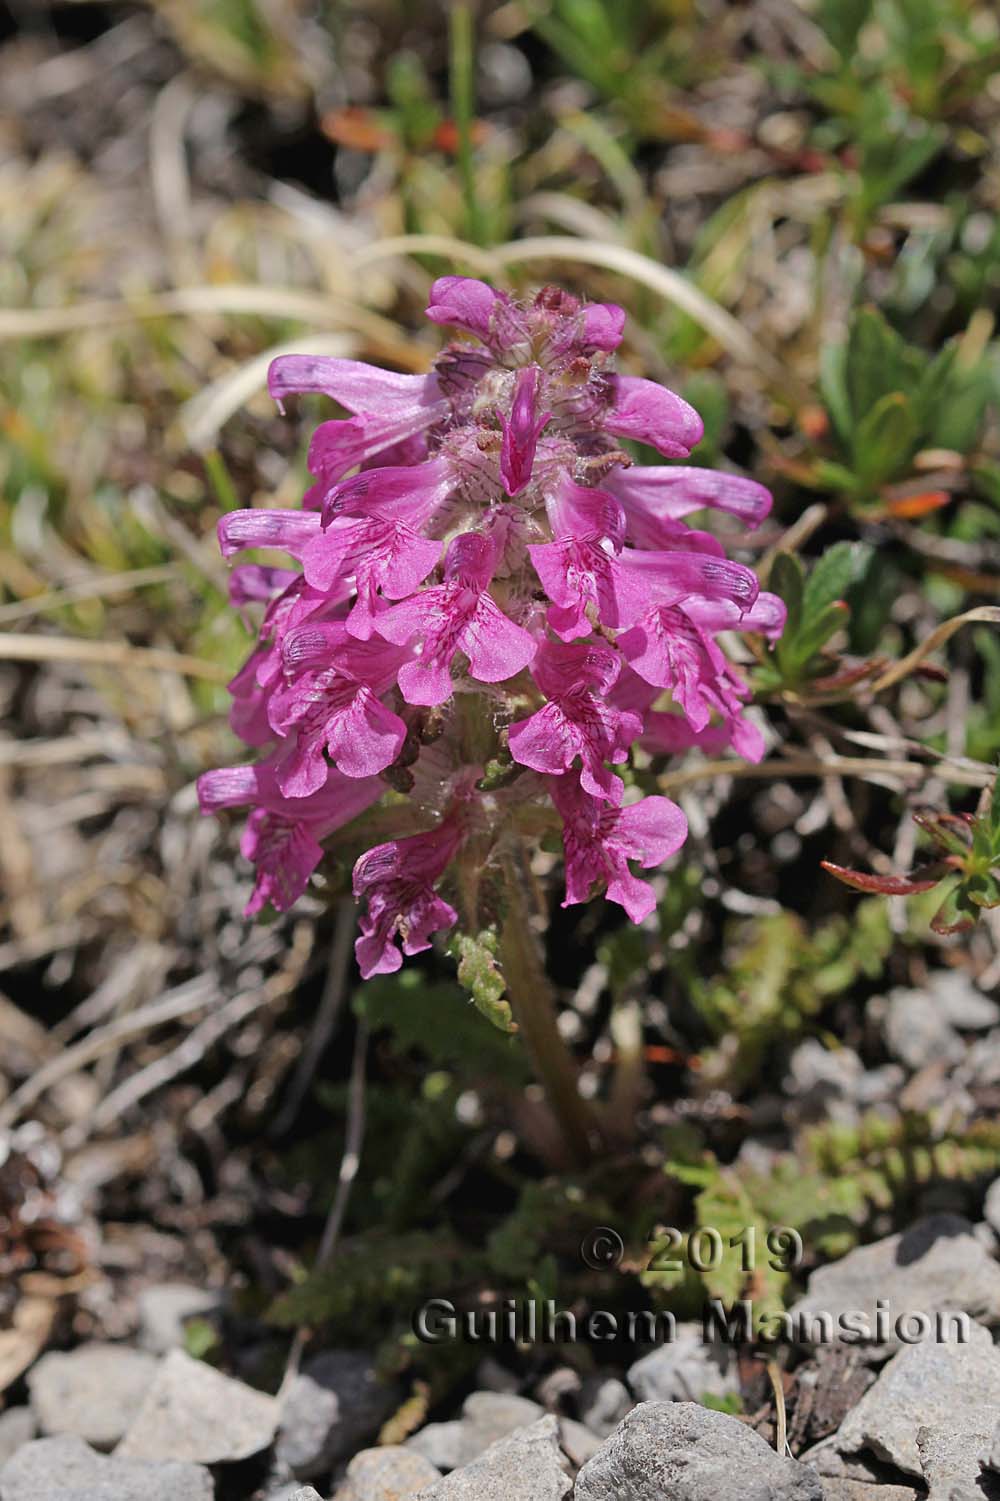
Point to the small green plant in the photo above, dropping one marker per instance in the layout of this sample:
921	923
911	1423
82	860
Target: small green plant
817	610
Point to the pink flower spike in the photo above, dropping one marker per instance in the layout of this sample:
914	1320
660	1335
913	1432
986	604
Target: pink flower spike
397	879
651	414
457	615
286	531
599	840
577	720
521	432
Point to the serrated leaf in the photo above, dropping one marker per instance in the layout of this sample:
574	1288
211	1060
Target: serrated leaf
482	977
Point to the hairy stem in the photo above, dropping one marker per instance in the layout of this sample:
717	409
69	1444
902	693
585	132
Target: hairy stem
533	1003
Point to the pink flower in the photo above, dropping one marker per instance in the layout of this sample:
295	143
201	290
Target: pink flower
599	840
283	837
397	881
577	720
480	568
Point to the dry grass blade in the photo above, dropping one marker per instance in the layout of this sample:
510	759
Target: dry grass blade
204	415
872	769
901	669
95	588
19	648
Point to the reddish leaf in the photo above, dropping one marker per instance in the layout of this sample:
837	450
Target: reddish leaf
911	507
862	880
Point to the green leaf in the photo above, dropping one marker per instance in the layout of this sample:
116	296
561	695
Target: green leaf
874	365
885	439
788	581
833	575
833	388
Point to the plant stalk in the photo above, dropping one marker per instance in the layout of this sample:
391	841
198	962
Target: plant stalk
533	1003
462	69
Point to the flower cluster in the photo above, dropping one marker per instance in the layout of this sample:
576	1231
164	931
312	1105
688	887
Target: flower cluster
485	579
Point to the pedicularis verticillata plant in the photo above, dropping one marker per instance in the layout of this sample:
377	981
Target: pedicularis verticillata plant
495	606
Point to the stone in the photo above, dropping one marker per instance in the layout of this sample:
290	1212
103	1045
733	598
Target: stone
827	1460
576	1441
864	1490
961	1002
951	1464
193	1412
685	1369
164	1311
391	1473
603	1402
93	1392
917	1032
687	1452
67	1469
17	1428
486	1417
935	1266
527	1464
991	1206
990	1453
953	1386
305	1493
333	1408
441	1444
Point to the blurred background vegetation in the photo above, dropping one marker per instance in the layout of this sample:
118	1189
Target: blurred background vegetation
797	204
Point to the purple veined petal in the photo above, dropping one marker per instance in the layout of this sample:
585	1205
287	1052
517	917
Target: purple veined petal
343	444
575	511
521	432
497	649
577	574
651	414
463	302
384	556
407	493
252	583
675	491
363	389
401	621
670	734
226	787
652	829
668	577
286	531
367	738
766	616
472	559
560	667
397	881
285	853
603	326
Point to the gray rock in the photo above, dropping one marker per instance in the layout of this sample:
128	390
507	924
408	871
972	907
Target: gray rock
93	1392
305	1493
691	1453
193	1412
526	1464
961	1002
164	1310
917	1032
864	1490
990	1453
486	1417
953	1386
441	1444
864	1469
67	1469
950	1463
334	1407
17	1428
991	1206
577	1442
604	1401
685	1369
936	1265
387	1474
